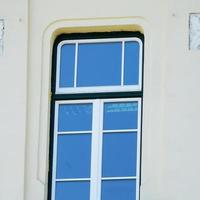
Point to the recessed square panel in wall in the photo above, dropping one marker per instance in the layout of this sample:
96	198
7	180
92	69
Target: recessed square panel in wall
99	65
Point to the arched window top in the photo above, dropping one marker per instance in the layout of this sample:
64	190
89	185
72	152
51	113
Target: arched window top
99	65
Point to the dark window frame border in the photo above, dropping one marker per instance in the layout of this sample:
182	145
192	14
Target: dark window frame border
58	97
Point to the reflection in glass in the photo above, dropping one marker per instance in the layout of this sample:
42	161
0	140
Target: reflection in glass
120	115
75	117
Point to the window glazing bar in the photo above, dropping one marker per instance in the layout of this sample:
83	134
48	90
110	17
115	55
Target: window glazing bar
122	65
76	64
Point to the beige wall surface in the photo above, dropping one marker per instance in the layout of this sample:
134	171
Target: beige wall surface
170	151
13	71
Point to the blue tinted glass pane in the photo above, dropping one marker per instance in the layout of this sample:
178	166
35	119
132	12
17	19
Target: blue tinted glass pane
119	154
75	117
131	63
120	115
99	64
72	191
73	156
67	62
118	190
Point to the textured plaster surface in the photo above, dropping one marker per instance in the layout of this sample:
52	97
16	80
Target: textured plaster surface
194	31
1	35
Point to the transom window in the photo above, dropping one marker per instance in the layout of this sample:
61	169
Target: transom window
95	139
99	65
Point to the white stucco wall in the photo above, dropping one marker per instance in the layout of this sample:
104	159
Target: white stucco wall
170	164
13	84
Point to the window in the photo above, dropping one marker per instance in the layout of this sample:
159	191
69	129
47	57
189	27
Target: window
96	117
117	65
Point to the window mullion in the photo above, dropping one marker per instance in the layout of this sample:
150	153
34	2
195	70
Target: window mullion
95	151
76	65
100	148
138	149
122	65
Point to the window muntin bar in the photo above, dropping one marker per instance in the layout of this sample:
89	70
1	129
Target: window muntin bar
72	179
73	132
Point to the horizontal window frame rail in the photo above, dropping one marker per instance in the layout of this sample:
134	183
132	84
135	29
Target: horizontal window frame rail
100	40
102	178
93	89
73	132
120	131
72	179
104	131
119	178
110	95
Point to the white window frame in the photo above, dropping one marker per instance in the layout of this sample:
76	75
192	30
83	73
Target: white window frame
96	147
120	88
